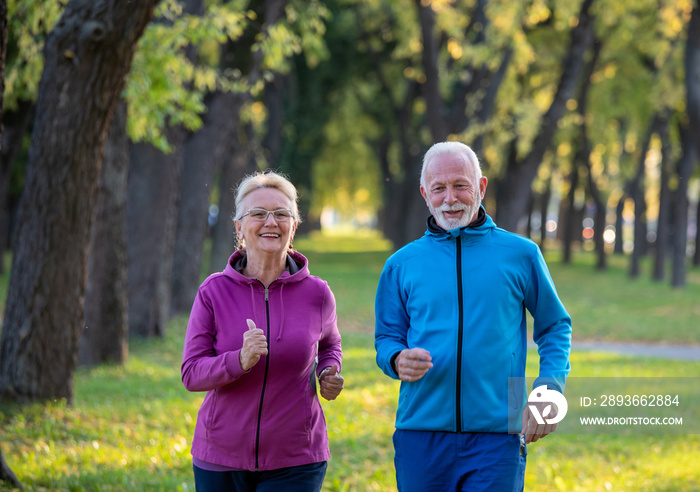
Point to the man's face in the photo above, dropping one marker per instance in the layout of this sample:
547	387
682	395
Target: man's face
452	191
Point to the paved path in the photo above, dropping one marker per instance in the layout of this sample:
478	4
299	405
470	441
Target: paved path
663	351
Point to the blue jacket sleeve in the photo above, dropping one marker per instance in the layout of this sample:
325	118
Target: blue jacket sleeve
552	326
391	323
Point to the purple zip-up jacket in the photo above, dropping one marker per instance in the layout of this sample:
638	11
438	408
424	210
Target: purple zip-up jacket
269	417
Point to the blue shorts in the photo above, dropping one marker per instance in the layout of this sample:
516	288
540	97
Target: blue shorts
449	462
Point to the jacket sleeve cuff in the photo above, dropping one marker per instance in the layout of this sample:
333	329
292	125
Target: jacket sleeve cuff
233	364
392	361
322	366
552	383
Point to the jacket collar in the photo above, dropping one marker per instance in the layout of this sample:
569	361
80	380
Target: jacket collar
478	227
297	267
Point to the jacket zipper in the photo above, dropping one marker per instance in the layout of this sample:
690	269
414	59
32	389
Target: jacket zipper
262	394
460	330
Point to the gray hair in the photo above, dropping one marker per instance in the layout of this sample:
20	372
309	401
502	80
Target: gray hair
457	148
268	179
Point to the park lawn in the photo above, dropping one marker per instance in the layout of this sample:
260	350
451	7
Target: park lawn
131	426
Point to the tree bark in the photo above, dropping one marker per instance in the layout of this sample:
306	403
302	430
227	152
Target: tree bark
151	219
516	186
206	152
664	215
599	219
86	58
530	211
571	225
692	82
692	74
636	192
546	197
619	224
431	87
680	204
696	255
106	330
15	125
224	233
6	473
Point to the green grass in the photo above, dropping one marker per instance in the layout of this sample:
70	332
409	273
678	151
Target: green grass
611	306
131	426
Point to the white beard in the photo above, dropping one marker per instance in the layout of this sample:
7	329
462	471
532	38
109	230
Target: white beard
464	221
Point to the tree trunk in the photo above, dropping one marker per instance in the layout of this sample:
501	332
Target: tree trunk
431	87
585	158
274	104
517	183
692	83
86	58
6	473
546	197
223	235
151	219
696	255
692	74
636	192
680	203
530	211
106	332
206	152
664	216
619	224
570	224
15	125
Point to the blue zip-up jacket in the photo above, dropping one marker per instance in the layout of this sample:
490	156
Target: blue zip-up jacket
462	295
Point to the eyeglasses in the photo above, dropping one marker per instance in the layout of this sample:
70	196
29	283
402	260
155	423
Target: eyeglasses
261	215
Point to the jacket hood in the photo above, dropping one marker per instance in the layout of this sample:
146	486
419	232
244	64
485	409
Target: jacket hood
482	225
297	268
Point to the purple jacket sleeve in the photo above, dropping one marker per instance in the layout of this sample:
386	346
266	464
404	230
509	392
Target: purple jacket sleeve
202	368
329	349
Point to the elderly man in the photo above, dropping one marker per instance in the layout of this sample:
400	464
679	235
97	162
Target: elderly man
451	325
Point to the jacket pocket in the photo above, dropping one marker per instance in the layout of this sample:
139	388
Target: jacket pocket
211	414
514	385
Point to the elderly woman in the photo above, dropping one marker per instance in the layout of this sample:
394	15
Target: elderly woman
259	334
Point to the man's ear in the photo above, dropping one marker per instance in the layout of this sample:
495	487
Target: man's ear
483	183
425	196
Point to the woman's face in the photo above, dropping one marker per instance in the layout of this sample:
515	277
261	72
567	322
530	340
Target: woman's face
274	234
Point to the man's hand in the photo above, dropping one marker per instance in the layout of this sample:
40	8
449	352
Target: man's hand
254	346
531	429
413	364
331	382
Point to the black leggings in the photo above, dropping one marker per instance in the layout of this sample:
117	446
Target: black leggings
304	478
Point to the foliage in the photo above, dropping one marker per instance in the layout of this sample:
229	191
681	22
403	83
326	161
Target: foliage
29	22
165	86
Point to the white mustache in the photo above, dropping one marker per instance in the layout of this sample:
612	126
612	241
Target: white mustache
452	208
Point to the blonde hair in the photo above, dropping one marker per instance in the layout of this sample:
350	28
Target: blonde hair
455	148
268	179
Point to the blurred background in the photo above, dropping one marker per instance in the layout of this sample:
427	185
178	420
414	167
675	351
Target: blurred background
126	127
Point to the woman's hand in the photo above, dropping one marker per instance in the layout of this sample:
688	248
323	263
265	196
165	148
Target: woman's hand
254	346
331	382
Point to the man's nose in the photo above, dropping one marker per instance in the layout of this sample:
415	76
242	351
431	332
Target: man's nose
450	196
